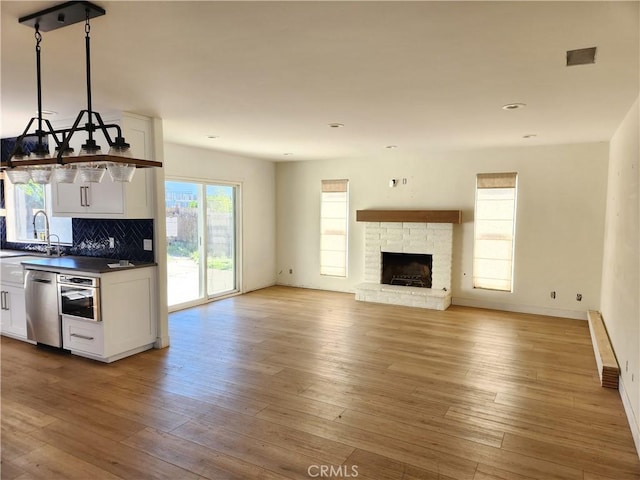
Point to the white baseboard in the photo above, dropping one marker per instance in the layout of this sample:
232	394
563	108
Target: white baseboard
633	424
162	342
510	307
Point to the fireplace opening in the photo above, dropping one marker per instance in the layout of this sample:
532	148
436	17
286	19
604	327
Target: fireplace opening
406	269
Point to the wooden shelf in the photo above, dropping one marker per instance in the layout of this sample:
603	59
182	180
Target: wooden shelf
418	216
84	159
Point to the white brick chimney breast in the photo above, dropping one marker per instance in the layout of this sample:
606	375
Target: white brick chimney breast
434	239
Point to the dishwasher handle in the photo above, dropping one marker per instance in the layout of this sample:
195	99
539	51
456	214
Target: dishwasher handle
40	280
40	276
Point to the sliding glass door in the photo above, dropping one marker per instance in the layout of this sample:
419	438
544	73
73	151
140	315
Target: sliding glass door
202	237
221	239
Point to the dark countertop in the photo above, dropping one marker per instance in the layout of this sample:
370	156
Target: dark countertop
81	264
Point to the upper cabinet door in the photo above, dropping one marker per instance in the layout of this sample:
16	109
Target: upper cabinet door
110	199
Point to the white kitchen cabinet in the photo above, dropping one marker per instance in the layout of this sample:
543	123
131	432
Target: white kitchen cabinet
106	197
109	199
83	336
13	313
129	318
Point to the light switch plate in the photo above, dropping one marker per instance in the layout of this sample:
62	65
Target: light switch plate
147	244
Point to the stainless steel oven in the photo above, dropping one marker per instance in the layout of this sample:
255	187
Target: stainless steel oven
79	297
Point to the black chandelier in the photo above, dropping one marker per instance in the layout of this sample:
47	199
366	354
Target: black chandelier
117	161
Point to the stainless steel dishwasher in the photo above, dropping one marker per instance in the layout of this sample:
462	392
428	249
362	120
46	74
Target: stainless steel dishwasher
43	319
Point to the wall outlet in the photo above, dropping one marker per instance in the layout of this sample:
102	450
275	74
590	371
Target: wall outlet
147	244
112	242
579	297
553	294
290	271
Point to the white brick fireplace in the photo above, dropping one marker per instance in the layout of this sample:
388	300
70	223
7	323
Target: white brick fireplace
431	238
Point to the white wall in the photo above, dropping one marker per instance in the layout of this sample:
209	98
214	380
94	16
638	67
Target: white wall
621	261
257	178
560	219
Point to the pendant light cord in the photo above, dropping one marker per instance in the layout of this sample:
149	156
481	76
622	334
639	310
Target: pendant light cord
40	132
87	29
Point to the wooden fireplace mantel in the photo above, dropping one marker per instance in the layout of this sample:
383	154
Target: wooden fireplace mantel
420	216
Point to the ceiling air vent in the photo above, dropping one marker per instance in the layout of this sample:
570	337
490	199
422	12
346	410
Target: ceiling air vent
581	56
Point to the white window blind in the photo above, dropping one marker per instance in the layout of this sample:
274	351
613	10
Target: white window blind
334	219
495	219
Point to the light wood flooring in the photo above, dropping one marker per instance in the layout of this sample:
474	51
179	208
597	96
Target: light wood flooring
288	383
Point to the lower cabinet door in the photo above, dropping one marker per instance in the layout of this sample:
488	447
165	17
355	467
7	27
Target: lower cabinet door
13	314
82	336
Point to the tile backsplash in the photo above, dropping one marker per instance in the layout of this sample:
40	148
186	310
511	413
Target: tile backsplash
91	239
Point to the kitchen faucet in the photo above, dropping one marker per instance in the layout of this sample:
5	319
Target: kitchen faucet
46	231
57	244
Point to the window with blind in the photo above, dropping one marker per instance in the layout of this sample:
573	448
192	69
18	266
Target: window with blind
495	221
334	220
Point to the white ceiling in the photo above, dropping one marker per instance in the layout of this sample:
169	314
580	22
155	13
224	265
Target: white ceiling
268	77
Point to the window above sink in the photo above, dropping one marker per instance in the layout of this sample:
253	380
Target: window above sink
22	201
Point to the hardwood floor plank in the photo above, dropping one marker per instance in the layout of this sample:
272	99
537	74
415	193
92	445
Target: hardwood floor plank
283	461
611	404
398	450
110	455
16	443
421	432
376	467
591	459
209	391
21	417
65	407
594	476
350	396
475	450
293	440
486	472
202	460
500	416
50	463
140	412
9	471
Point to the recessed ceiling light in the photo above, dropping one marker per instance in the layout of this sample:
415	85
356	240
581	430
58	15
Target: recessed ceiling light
336	125
287	153
49	112
212	137
529	135
513	106
391	146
